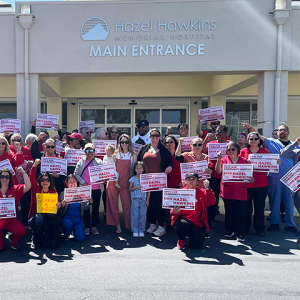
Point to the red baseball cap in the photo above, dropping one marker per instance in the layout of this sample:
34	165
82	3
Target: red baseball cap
75	135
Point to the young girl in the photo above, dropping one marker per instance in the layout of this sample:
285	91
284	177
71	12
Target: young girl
110	158
140	201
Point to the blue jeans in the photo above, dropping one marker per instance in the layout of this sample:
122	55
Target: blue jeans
138	215
278	192
73	223
36	223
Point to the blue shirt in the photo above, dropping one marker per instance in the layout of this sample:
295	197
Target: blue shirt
137	193
275	147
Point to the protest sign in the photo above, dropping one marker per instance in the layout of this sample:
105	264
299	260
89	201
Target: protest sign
10	125
54	165
7	208
186	144
264	162
153	182
237	172
211	114
102	172
214	148
292	178
5	164
101	144
184	198
59	147
46	121
198	167
73	156
90	124
136	147
46	203
26	165
78	194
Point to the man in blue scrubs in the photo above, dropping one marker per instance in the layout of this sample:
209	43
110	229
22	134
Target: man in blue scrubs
277	191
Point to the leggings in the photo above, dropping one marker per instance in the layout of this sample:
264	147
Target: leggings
155	210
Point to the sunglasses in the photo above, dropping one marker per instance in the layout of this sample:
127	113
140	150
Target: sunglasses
73	139
215	123
2	143
4	176
114	132
18	141
155	135
48	147
195	145
232	149
89	150
124	142
253	139
171	142
219	131
88	132
45	180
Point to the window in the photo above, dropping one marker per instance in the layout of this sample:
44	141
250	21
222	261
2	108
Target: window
8	111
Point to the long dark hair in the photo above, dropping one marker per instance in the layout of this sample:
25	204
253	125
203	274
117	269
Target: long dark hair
52	186
10	178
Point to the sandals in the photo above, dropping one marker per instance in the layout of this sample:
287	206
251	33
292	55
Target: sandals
119	230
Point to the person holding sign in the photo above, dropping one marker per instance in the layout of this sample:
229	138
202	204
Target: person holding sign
125	159
193	223
294	154
234	194
12	225
157	159
82	175
72	213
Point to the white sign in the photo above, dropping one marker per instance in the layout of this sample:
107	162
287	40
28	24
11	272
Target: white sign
102	172
7	208
214	148
184	198
73	156
136	147
199	167
58	147
5	164
54	165
152	182
101	144
264	162
237	172
186	144
292	178
78	194
46	121
90	124
10	125
211	114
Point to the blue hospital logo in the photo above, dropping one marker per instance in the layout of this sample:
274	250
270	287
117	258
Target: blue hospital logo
94	29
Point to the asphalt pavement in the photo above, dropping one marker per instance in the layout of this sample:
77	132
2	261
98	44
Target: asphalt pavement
111	266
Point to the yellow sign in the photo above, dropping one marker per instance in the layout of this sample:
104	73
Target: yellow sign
46	203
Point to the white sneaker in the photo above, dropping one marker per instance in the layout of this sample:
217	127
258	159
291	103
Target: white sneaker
160	231
135	234
152	228
94	230
141	234
87	231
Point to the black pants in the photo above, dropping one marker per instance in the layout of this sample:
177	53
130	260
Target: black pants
96	194
104	199
155	210
258	195
25	207
185	227
235	216
215	186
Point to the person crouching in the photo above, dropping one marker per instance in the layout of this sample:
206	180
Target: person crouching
192	223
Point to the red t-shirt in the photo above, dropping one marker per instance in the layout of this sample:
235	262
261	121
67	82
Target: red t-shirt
198	216
233	190
174	176
24	150
205	134
17	192
260	178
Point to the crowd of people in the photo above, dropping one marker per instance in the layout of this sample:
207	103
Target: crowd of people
243	201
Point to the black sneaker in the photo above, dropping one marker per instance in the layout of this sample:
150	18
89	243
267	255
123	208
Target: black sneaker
207	236
229	234
291	229
282	218
261	234
240	238
273	227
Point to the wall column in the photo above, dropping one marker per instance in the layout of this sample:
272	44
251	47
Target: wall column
72	108
218	101
54	107
21	102
195	105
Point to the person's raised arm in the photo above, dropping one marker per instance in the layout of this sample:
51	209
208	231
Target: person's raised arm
35	152
33	127
209	137
198	127
218	164
26	180
289	151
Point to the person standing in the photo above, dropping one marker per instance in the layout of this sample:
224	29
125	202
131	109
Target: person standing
242	140
203	133
86	133
143	135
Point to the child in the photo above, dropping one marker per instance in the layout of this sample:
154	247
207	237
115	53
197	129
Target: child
110	158
140	201
192	223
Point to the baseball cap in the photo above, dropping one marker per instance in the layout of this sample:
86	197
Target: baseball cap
89	145
243	134
142	123
75	135
191	174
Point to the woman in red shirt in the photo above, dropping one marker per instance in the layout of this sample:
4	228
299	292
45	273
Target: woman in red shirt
7	190
192	223
257	190
234	194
